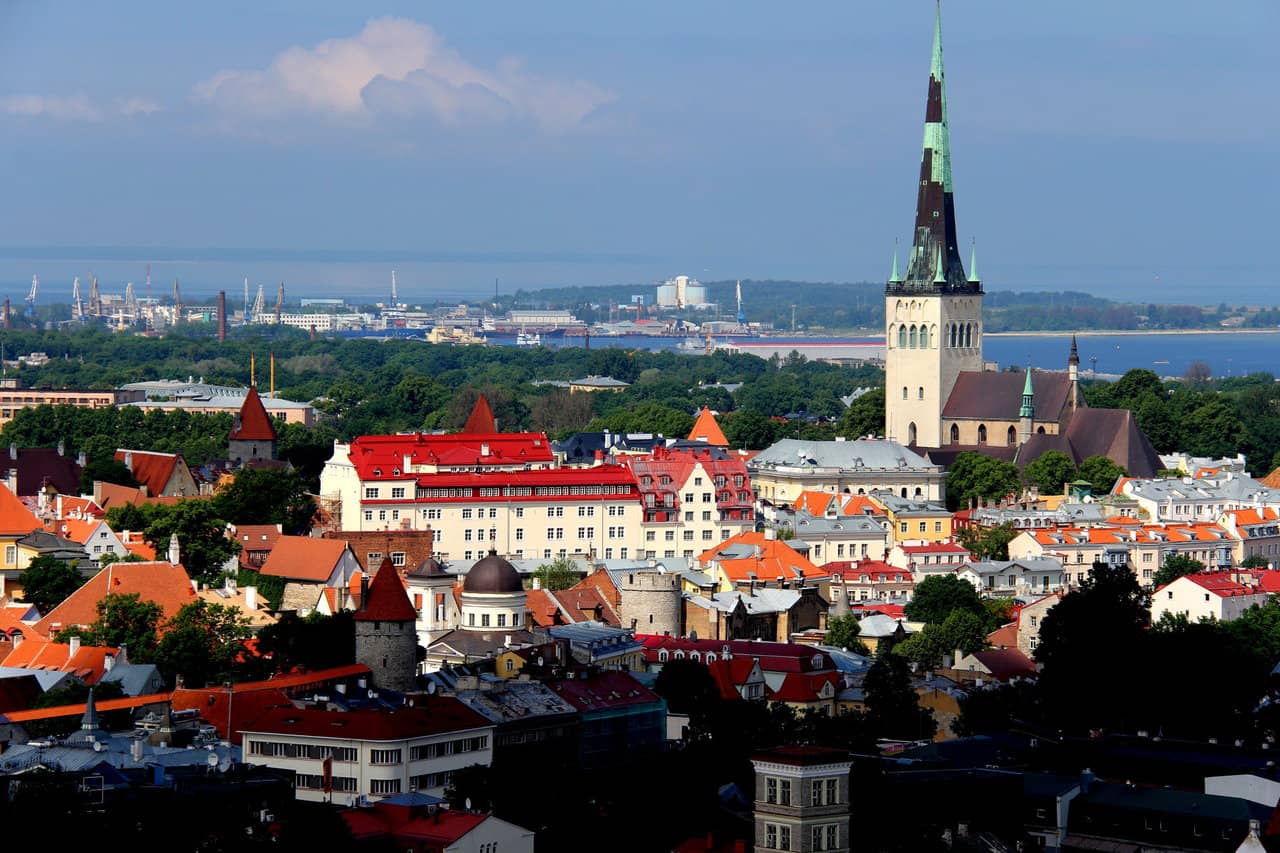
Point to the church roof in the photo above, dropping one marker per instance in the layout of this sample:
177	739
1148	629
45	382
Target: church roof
1113	433
706	429
997	396
253	423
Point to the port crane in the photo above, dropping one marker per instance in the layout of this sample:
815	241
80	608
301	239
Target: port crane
177	303
259	305
31	297
279	302
77	301
95	298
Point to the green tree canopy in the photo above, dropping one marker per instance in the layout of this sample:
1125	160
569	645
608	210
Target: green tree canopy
687	686
1050	472
987	543
1101	473
842	632
201	643
893	708
973	475
560	573
47	582
107	469
124	619
266	496
937	596
1174	567
864	417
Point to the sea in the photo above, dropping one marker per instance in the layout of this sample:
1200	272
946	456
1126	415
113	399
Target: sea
1169	354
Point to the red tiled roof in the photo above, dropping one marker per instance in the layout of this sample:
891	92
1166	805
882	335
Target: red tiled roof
378	457
164	583
773	657
257	537
934	548
678	466
1004	637
893	611
388	601
253	423
853	570
470	481
88	663
804	687
15	518
706	429
731	674
444	828
1220	584
152	470
1004	664
604	691
777	558
429	715
481	420
304	558
78	710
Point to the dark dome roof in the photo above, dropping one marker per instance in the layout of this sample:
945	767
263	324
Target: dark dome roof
493	575
429	568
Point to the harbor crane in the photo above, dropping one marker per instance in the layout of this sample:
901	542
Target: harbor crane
259	305
31	297
95	298
177	303
77	301
279	302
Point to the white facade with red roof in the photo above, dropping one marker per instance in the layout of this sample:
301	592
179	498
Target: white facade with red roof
1206	594
870	580
692	500
923	559
1142	547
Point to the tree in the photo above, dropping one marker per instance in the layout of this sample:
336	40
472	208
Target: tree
961	631
202	642
1101	473
1174	567
988	543
47	582
865	416
1198	373
973	475
893	709
1050	472
311	642
750	430
267	496
1254	561
106	469
842	632
124	619
1214	429
202	540
560	573
937	596
687	686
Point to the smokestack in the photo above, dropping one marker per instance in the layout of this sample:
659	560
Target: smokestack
222	316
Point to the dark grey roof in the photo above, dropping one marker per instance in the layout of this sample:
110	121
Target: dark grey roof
997	396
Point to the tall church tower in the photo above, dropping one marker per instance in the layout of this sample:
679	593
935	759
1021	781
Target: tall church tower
933	316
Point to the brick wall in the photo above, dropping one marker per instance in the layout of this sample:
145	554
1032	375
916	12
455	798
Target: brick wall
415	545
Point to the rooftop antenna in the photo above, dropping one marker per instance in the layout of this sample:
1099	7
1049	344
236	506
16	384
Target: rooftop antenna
395	298
177	303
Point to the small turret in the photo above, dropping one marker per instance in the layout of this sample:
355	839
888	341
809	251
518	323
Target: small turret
895	277
1027	413
1073	374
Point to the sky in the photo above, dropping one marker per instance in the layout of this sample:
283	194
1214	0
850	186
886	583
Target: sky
1117	148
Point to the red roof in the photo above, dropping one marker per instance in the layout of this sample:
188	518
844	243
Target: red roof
731	674
1004	637
935	548
463	486
257	537
665	475
79	709
805	687
434	832
380	457
481	420
387	601
429	715
706	429
253	423
604	691
152	470
775	559
164	583
229	711
1220	584
773	657
88	663
304	558
851	571
1004	664
15	518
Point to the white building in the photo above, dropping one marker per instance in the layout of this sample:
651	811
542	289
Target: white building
1187	499
791	466
1206	594
681	292
1008	578
337	756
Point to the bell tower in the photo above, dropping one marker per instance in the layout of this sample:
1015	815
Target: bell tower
933	315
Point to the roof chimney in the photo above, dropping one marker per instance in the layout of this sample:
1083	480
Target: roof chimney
13	452
74	643
364	590
62	447
251	598
175	551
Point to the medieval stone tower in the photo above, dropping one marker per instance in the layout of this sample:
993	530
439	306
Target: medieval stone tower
650	602
933	316
386	638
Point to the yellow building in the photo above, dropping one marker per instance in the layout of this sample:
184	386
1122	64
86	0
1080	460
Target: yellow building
914	520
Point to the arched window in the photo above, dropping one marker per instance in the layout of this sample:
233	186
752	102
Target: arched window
955	434
662	654
904	392
1039	430
919	493
911	433
1013	436
933	336
968	335
920	393
902	336
951	334
982	433
904	491
911	338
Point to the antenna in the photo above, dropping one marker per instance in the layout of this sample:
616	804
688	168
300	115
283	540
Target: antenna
395	299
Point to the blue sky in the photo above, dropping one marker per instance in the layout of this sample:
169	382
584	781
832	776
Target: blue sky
1097	145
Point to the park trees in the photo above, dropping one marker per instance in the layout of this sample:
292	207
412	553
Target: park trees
973	475
47	582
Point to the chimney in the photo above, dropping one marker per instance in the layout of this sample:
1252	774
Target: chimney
108	663
13	452
364	591
122	654
175	551
537	583
74	643
135	750
62	447
231	585
251	598
770	534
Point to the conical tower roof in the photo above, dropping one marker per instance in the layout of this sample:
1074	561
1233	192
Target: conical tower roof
481	420
253	423
935	264
387	600
706	429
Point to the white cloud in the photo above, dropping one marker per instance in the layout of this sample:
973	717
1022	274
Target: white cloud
75	107
400	68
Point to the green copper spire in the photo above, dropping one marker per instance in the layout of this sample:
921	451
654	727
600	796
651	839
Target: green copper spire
973	262
895	277
940	268
1028	409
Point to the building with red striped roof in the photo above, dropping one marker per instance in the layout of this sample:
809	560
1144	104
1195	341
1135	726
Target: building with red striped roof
253	435
1218	595
692	500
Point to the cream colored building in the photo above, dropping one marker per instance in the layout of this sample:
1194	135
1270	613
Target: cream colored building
782	472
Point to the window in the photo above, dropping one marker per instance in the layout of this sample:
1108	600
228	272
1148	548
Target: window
519	534
937	527
687	536
519	512
555	512
955	434
368	515
904	527
373	559
669	535
466	513
833	791
384	786
466	535
384	756
706	515
371	493
982	433
397	558
904	392
397	492
484	620
920	393
382	515
707	535
923	526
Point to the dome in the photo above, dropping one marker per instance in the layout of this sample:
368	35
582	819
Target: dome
493	575
429	568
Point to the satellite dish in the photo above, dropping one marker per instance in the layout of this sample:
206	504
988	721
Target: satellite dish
468	804
224	764
212	760
431	688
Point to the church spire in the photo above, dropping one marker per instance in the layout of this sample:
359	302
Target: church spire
895	277
973	263
935	264
1028	409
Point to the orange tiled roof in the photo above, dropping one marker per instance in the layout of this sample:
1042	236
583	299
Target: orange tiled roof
814	503
481	420
776	558
76	529
388	601
134	542
15	518
304	558
152	470
706	429
164	583
88	663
